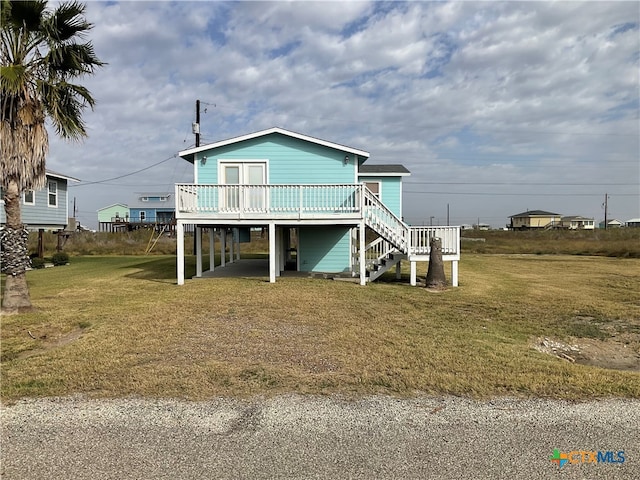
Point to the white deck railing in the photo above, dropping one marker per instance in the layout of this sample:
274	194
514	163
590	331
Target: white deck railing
420	240
326	200
268	200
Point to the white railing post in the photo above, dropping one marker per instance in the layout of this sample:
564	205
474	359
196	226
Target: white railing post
301	194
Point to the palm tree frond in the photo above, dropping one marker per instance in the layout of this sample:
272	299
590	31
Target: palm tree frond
66	22
12	79
72	60
64	103
23	14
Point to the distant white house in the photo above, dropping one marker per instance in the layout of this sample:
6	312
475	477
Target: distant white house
576	222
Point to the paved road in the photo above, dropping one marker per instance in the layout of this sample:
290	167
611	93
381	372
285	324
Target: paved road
315	437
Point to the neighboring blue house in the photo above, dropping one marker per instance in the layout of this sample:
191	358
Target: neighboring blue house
47	208
155	207
346	217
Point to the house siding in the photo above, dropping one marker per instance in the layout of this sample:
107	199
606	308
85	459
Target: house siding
324	249
289	161
151	215
536	221
390	191
106	214
40	214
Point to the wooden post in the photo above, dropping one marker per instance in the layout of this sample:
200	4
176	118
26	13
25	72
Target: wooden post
212	249
198	235
272	253
361	252
180	252
223	246
41	243
413	275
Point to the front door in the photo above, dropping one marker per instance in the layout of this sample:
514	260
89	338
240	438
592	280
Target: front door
241	194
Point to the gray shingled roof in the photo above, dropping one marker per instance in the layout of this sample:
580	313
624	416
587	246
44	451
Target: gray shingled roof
169	204
373	169
535	213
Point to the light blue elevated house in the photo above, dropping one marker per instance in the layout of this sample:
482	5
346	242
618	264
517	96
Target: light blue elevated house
48	207
346	216
152	207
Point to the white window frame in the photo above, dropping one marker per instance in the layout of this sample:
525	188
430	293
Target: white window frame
242	164
33	197
52	194
143	215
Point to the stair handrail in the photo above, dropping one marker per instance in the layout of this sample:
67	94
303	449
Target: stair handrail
390	220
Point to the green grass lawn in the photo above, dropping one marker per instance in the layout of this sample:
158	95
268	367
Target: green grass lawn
118	326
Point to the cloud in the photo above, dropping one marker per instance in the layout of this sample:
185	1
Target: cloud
507	92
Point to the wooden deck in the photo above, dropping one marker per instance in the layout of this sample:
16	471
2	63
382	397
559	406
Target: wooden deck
209	205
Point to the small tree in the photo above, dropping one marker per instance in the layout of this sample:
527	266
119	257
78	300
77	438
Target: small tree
41	53
435	272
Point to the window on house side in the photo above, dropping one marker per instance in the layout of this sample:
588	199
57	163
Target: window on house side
374	187
29	197
53	193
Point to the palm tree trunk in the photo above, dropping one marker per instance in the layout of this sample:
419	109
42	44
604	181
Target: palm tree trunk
15	260
435	272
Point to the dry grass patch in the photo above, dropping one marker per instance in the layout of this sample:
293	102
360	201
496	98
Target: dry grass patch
134	332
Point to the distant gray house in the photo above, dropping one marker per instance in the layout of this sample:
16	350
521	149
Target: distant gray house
633	223
47	208
613	223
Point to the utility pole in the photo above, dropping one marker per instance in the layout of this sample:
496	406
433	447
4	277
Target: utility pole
196	124
605	210
196	131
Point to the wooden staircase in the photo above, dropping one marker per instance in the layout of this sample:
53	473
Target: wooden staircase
398	241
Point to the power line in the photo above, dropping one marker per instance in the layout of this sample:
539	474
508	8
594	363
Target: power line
126	174
522	184
455	129
520	194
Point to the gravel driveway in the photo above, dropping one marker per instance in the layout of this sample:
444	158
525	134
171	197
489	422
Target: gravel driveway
317	437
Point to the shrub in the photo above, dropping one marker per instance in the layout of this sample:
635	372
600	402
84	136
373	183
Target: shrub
37	263
60	258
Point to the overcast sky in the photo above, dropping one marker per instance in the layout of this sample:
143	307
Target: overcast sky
495	108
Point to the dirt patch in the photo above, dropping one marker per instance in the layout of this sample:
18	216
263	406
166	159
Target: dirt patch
49	344
619	353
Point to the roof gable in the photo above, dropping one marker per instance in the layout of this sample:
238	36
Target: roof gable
111	206
165	201
51	173
189	153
